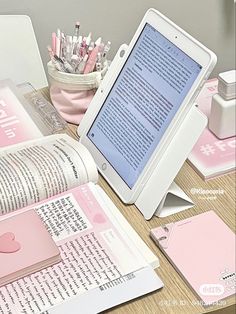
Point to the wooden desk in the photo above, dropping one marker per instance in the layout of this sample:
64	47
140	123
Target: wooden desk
176	297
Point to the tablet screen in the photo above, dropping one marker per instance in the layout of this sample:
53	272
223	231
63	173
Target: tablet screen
142	103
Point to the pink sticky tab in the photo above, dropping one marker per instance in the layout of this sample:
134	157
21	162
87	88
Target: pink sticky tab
8	243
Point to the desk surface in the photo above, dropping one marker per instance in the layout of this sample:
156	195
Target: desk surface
176	296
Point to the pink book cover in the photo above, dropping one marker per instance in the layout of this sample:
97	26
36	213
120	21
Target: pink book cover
16	125
202	249
211	156
25	246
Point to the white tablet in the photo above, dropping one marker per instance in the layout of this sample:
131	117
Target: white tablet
133	118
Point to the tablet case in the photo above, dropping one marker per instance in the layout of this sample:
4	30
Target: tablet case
202	249
169	198
25	246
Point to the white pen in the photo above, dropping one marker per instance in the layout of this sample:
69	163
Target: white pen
82	64
68	67
98	41
55	60
90	49
74	41
101	48
88	39
58	42
68	48
105	52
63	44
99	62
75	60
59	64
77	26
77	45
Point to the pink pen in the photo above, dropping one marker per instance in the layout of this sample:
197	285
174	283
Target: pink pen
91	61
92	58
54	42
50	52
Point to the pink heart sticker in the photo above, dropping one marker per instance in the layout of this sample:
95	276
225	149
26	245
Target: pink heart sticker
8	243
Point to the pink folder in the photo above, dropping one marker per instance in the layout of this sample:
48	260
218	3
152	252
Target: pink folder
202	249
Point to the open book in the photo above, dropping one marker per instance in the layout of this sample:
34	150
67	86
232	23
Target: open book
101	254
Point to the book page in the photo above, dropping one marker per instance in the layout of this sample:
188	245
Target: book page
95	251
36	170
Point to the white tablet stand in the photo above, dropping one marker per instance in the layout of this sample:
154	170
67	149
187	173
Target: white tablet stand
160	195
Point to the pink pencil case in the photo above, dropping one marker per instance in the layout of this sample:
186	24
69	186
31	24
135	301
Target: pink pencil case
202	249
71	94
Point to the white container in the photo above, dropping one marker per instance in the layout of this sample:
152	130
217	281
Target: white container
222	117
227	84
71	93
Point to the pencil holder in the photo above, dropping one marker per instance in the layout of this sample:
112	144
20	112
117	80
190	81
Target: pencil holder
71	94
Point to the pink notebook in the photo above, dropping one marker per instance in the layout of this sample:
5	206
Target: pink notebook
25	246
16	124
202	249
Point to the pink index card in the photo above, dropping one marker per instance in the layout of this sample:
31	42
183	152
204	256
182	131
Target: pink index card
202	249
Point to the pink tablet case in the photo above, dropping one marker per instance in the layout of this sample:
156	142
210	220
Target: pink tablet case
202	249
25	246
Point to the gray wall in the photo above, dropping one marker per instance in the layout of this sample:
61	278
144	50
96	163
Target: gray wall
210	21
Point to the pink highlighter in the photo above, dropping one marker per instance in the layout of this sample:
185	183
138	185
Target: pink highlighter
92	58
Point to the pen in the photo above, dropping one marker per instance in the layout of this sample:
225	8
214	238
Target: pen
68	67
77	26
58	42
54	42
58	63
91	61
77	54
74	41
75	60
105	52
63	44
68	54
90	49
99	63
82	64
101	48
98	41
88	40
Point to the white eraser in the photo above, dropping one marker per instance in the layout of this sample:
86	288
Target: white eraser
227	84
222	117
